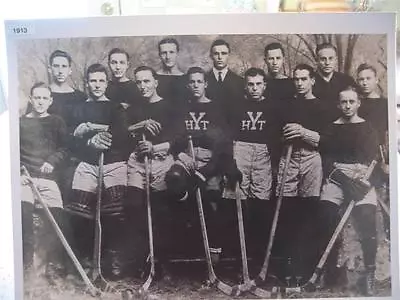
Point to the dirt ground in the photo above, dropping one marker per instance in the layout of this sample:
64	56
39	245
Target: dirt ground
188	281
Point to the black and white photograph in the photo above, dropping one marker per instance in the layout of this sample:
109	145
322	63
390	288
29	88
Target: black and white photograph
206	165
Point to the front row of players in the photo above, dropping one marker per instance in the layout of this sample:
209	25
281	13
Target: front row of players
245	147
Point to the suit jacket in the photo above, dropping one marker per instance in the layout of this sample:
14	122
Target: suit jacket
229	91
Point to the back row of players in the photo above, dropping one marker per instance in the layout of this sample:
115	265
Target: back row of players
239	129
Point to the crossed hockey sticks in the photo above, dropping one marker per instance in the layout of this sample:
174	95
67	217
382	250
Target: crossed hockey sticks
253	285
223	287
310	284
89	285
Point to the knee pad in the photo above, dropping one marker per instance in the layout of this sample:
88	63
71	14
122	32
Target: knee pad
82	204
113	202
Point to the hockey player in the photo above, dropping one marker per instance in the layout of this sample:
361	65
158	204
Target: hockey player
304	118
171	81
328	81
279	86
256	135
205	122
223	85
121	89
65	97
42	150
349	145
374	109
153	126
100	128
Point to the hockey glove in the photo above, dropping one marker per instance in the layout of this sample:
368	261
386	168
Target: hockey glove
100	141
356	188
233	175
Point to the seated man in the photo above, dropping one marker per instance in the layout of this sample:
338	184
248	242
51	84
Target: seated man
153	126
42	149
349	145
99	128
205	123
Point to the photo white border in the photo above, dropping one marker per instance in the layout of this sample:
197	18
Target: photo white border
257	23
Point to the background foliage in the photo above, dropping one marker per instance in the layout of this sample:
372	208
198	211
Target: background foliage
247	51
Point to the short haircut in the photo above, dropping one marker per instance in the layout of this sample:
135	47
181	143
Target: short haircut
349	88
146	68
273	46
168	41
40	84
119	51
366	66
60	53
325	46
307	67
220	42
252	72
96	68
194	70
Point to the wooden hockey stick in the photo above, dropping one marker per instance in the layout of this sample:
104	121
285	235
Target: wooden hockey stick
97	275
92	289
310	284
263	273
247	285
223	287
147	283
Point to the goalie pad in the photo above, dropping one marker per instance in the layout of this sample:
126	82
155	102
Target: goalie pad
355	188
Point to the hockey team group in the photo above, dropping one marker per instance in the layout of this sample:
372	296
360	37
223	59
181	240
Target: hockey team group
254	171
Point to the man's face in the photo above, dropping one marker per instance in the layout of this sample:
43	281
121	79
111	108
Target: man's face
146	83
327	60
97	84
118	65
367	81
197	85
60	69
349	103
219	55
168	54
274	61
255	86
303	82
41	100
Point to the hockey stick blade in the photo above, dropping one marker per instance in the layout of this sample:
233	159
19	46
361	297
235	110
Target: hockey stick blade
90	287
223	287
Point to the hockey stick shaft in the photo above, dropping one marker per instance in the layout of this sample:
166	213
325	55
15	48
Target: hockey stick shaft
93	290
98	228
242	236
146	285
264	270
211	274
338	230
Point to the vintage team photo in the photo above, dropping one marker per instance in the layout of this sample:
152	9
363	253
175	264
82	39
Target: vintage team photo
205	166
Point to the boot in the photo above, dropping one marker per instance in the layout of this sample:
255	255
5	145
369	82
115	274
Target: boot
369	281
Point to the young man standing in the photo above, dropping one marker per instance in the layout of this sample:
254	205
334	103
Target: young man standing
349	146
304	118
279	86
65	97
171	82
99	128
153	127
121	89
329	82
224	86
42	150
256	135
